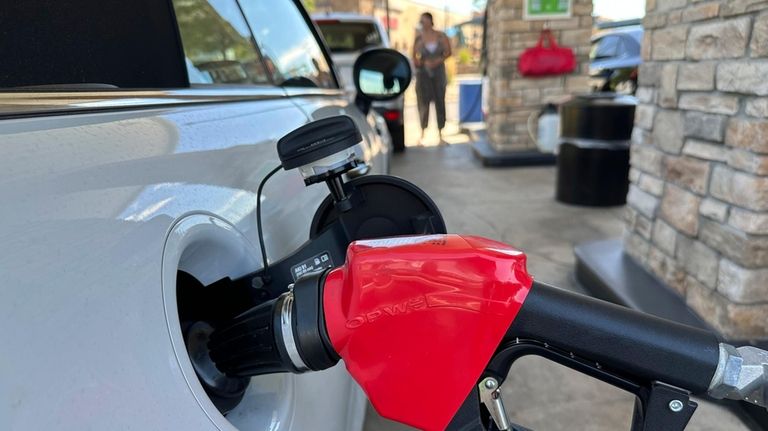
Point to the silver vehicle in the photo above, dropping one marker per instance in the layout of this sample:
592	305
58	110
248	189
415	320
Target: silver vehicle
347	35
134	136
615	58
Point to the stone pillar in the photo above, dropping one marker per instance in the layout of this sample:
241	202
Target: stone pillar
513	98
698	203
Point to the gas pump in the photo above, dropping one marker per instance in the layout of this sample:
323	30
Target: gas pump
403	302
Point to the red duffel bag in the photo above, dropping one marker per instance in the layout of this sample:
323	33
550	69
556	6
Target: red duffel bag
546	60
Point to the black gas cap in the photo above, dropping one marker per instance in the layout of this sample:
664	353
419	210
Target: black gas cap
317	140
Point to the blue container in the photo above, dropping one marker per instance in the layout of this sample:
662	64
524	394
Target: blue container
470	101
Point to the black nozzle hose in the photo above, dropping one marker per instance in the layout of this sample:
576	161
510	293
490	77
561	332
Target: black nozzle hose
289	335
286	334
640	345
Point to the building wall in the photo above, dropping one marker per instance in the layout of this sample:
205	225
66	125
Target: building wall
512	98
698	203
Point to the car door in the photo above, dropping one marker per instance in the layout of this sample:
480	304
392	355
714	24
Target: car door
287	205
109	192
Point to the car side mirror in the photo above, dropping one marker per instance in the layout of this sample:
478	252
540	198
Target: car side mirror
380	74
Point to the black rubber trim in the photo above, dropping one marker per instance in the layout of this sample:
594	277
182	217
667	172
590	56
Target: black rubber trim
179	45
310	325
320	41
321	322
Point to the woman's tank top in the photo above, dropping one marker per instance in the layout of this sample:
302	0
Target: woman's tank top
428	51
432	50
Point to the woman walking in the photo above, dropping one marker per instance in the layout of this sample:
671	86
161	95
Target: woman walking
430	50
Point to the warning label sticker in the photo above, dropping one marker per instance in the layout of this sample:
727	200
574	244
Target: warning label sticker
315	263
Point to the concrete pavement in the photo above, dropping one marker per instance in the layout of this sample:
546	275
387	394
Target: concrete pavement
517	206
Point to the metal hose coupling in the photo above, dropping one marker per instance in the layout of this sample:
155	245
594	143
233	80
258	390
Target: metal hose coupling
286	334
742	374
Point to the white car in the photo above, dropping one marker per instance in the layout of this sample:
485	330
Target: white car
347	35
133	138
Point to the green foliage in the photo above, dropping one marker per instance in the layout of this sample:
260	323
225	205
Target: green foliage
464	56
309	5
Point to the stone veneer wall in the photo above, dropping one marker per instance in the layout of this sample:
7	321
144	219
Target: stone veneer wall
513	98
698	204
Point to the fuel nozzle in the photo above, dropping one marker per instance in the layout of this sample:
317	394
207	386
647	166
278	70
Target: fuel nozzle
451	309
422	308
286	334
323	151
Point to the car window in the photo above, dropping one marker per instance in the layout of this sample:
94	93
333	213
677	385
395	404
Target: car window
90	45
605	47
349	36
290	49
218	44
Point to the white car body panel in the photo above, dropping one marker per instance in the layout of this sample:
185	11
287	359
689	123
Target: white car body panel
100	209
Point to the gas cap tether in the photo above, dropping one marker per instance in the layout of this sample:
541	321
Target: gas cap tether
323	151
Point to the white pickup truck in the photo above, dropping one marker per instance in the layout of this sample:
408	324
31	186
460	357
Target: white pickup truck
133	138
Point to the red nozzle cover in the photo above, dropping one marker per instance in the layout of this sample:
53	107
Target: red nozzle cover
417	319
